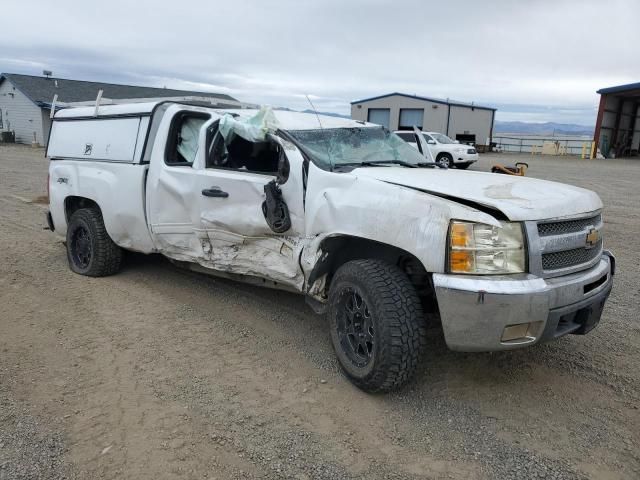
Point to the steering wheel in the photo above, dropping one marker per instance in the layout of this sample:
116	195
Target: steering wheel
219	153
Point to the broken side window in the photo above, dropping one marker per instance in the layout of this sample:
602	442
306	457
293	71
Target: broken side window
238	153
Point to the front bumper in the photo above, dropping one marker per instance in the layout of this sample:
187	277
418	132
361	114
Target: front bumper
465	157
476	310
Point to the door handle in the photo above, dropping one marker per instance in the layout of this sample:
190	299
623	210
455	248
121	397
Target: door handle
214	192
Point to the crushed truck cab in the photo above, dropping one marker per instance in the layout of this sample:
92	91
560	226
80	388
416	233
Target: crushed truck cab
343	212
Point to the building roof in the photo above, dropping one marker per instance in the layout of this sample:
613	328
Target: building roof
428	99
620	88
40	90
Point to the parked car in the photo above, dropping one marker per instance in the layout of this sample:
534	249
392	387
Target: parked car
343	212
444	150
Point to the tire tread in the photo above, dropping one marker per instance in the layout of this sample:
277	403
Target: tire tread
107	256
403	323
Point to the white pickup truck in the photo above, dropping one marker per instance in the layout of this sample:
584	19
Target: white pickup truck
341	211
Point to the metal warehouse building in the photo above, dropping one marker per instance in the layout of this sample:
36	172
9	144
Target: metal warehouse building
25	101
465	122
618	123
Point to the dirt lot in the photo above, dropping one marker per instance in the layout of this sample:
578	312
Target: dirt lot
160	373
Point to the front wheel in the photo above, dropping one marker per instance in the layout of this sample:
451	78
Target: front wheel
377	325
445	159
90	250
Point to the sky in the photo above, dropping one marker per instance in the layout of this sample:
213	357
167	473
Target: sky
535	60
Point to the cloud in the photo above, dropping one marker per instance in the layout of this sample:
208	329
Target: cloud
539	52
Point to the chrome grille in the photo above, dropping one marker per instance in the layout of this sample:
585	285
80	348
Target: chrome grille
571	258
561	246
568	226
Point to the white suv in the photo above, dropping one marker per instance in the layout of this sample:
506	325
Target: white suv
443	149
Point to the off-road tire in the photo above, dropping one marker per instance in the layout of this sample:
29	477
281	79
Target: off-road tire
445	159
398	321
105	257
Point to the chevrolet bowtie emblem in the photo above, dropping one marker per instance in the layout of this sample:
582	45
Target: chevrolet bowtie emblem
593	236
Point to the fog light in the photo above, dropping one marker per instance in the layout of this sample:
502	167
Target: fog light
516	332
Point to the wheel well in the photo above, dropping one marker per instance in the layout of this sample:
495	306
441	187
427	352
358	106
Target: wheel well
72	204
444	154
336	251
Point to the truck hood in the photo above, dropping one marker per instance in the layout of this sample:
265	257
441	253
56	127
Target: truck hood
518	198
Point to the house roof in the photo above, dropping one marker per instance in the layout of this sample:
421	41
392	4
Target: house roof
40	90
428	99
629	87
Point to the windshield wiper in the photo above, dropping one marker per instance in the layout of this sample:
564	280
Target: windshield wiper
382	163
394	162
404	164
377	163
431	165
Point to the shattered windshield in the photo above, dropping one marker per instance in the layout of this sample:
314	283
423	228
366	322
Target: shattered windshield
334	147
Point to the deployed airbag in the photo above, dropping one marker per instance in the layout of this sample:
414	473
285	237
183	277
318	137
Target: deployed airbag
253	129
189	132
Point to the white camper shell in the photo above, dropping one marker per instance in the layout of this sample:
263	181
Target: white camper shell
116	137
342	211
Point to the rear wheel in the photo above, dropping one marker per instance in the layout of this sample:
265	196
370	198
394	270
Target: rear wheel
377	325
445	159
90	250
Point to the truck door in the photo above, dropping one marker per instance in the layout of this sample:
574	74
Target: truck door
424	146
205	202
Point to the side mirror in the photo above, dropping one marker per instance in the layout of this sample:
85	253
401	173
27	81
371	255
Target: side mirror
431	142
457	141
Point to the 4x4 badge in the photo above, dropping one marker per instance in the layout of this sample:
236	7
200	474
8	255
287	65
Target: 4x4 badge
593	236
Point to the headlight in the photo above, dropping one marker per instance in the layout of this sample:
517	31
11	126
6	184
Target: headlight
476	248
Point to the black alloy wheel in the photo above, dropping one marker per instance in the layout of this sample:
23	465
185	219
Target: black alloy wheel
355	328
81	248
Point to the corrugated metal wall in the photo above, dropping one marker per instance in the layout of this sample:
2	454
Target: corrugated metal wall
474	121
20	114
620	124
460	120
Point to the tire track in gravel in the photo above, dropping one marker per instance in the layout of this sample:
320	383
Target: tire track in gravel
176	375
91	436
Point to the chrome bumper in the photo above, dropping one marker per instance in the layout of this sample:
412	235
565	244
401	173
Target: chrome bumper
475	310
466	158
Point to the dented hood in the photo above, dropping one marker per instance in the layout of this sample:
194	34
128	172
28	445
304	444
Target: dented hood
519	198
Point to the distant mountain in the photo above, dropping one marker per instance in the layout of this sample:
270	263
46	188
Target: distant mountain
547	128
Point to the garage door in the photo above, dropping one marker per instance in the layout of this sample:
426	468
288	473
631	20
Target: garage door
411	117
380	116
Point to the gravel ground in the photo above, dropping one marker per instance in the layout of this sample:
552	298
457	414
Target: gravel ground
161	373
